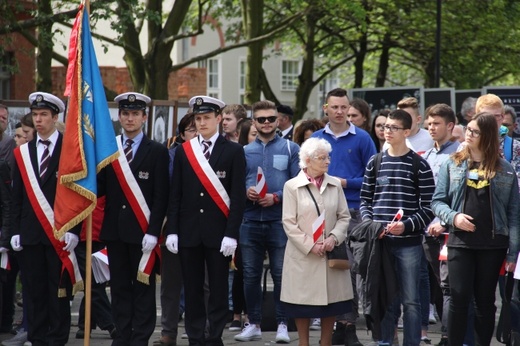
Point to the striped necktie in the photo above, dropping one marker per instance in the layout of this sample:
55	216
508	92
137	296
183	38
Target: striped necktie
44	162
128	150
206	152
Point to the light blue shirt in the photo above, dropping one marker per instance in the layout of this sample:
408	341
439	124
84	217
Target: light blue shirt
279	159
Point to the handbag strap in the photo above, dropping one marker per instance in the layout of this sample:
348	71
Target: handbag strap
313	199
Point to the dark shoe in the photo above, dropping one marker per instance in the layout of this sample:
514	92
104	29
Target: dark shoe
80	334
112	331
235	326
443	342
165	340
338	337
351	338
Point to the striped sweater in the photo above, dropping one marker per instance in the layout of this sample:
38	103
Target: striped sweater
396	188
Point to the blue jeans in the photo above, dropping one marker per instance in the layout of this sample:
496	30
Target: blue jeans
407	264
257	237
425	294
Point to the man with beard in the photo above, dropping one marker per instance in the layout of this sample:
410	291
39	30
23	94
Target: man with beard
262	228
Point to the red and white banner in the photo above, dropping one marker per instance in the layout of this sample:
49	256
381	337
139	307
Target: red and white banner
207	175
318	227
45	214
141	210
261	184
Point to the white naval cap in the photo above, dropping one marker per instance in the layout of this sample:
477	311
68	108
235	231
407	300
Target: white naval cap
206	104
132	100
41	99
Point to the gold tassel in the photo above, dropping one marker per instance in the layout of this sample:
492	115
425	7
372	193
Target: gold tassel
143	278
62	293
78	286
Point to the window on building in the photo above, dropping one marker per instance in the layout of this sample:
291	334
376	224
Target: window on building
290	72
5	77
213	74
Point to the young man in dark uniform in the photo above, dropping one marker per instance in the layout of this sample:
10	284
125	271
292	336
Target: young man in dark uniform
207	202
136	202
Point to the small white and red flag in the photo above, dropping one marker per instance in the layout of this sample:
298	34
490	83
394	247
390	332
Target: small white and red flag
318	227
398	215
261	185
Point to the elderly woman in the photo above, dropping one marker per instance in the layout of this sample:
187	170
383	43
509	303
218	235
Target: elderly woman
477	198
309	287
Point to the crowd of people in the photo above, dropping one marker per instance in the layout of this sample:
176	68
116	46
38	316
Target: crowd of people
419	210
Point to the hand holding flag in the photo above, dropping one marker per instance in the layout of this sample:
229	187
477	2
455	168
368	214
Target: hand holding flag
394	222
261	184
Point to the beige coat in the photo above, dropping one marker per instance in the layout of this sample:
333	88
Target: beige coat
306	278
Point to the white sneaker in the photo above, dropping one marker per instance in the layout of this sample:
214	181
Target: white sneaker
431	317
249	333
282	337
315	324
18	340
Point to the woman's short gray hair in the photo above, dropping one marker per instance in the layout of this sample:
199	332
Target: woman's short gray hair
311	147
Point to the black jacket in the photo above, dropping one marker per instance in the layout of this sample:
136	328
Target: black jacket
5	203
373	262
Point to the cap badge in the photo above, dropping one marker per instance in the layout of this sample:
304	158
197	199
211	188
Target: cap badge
199	101
131	98
39	98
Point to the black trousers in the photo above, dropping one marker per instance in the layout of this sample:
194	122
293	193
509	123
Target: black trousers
473	273
133	302
48	315
193	263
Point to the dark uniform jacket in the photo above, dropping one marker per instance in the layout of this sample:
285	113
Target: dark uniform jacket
150	169
193	214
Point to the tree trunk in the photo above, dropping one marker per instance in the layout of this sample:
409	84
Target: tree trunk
253	14
45	48
384	59
157	61
306	77
133	57
360	61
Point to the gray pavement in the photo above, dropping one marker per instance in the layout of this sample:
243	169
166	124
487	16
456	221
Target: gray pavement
102	338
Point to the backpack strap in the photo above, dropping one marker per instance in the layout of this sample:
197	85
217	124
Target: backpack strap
416	165
377	163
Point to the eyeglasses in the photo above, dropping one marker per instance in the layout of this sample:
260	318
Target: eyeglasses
472	133
270	119
191	129
380	127
322	158
507	124
392	128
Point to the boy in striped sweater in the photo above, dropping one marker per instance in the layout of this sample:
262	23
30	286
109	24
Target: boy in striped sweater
400	184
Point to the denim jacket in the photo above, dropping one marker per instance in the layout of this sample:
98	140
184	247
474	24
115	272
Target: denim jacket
450	192
279	160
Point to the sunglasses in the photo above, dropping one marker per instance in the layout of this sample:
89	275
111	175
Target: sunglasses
262	120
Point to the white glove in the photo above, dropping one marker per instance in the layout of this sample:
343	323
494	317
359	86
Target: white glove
71	241
149	242
3	249
172	243
228	246
15	243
